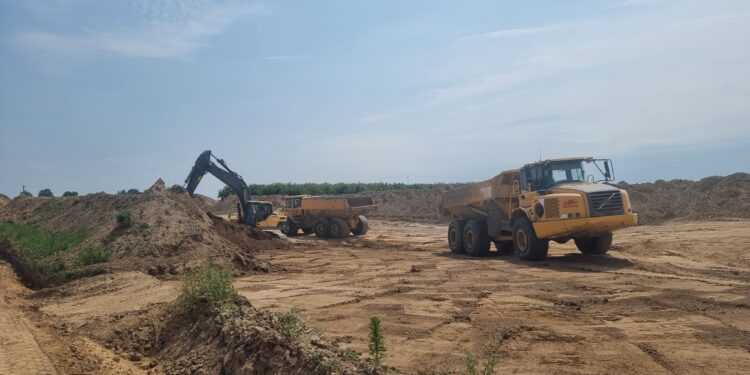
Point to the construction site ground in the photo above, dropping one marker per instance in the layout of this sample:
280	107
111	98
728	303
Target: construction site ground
670	298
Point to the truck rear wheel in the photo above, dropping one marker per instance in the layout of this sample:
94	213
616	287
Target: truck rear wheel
362	226
321	227
595	245
476	240
525	242
339	228
456	236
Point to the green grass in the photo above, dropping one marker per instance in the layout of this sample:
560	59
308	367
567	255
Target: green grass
37	244
292	324
124	219
212	282
92	255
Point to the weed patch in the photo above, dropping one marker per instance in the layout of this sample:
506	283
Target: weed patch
37	244
212	282
92	255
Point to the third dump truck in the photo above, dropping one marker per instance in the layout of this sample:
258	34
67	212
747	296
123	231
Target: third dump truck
524	209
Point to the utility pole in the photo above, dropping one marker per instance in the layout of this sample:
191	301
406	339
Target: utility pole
407	179
23	188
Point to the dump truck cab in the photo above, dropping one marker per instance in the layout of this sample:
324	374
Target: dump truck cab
551	200
563	199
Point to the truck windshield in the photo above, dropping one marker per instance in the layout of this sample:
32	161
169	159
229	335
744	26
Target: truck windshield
560	172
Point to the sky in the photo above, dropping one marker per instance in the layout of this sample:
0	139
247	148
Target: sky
108	95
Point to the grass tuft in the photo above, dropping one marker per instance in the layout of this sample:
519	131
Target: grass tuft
92	255
292	324
124	219
212	282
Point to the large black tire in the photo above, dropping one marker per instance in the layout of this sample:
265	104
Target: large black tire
321	227
307	230
504	247
525	242
456	236
362	226
476	240
338	228
595	245
289	228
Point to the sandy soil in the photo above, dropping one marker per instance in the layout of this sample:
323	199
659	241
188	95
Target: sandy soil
667	299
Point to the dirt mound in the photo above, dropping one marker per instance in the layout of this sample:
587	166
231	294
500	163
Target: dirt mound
4	199
412	205
203	201
235	339
159	232
710	198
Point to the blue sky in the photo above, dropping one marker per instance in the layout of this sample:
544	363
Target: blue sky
105	95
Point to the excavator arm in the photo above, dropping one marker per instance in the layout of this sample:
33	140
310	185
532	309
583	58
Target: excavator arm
204	164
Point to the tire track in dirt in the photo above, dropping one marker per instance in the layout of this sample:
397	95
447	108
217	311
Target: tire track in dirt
20	353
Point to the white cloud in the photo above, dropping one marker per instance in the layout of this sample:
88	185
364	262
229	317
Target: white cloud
152	29
285	57
507	33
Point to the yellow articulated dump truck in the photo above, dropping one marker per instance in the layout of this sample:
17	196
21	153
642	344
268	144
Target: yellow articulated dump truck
328	217
524	209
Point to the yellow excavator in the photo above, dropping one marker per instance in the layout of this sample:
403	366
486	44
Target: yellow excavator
257	214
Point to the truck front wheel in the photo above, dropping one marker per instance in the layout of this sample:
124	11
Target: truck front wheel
456	236
595	245
288	228
339	228
476	240
525	242
321	227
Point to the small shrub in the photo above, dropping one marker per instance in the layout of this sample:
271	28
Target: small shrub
211	281
377	343
292	324
350	355
144	227
133	192
92	255
176	189
488	364
70	194
45	193
124	219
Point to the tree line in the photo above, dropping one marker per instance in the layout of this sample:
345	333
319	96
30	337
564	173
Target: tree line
328	188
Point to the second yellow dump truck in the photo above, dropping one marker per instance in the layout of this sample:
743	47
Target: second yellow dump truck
524	209
327	217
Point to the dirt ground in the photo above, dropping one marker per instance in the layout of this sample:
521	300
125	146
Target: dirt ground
667	299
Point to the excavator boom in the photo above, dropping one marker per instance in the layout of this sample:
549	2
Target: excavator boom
204	164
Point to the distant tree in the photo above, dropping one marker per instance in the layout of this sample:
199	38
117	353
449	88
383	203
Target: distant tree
25	194
225	192
70	194
133	191
122	192
45	193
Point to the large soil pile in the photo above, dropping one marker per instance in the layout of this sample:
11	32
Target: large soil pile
160	232
710	198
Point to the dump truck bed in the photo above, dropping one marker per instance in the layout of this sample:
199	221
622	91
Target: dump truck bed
337	207
475	200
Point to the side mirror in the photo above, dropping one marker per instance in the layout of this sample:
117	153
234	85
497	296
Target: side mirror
607	175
